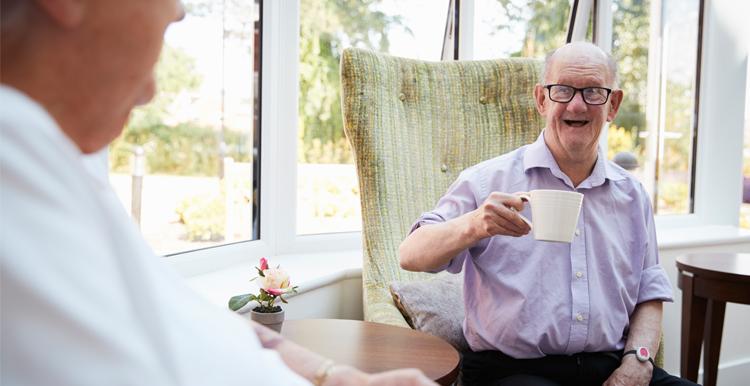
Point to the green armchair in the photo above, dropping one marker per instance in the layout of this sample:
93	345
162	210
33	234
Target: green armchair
414	125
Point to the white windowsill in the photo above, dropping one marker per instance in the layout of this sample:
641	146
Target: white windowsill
308	272
701	236
315	270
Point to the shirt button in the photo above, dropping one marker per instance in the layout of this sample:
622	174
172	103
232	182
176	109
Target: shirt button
578	232
579	317
579	274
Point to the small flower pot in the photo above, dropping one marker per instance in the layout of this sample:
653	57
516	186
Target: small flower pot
272	320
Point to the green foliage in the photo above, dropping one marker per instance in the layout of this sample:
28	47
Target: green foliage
184	149
620	139
547	24
673	197
204	217
326	27
630	51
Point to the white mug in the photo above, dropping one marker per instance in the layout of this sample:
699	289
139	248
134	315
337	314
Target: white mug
555	214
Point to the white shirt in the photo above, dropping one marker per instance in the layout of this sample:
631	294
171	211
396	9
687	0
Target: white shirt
84	299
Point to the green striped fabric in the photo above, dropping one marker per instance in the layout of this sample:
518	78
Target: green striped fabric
414	126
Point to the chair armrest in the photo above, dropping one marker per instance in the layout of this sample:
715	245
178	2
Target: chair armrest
379	308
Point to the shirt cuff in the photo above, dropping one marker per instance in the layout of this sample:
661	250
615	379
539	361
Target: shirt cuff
654	285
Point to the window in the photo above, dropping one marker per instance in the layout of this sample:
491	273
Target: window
526	28
745	204
327	188
186	165
657	121
309	198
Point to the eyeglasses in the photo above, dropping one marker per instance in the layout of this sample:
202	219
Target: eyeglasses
591	95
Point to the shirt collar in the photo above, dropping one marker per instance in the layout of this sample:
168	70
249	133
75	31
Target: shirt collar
538	155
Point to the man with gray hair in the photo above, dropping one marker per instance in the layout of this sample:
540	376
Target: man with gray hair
84	300
587	312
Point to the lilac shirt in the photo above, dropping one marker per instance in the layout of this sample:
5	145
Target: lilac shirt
531	298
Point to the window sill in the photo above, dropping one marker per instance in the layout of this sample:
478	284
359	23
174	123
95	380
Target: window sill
315	270
701	236
309	272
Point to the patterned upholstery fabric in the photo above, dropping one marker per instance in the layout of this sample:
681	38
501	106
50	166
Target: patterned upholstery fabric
414	126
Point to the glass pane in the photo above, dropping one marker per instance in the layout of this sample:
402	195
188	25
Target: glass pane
193	144
525	28
745	207
676	115
327	188
627	136
663	148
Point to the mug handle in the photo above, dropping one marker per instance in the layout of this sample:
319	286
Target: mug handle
525	197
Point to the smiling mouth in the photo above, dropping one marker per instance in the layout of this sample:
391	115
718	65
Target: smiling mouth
575	123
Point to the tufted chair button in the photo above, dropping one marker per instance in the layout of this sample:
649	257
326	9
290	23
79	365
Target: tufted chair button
483	100
402	96
443	168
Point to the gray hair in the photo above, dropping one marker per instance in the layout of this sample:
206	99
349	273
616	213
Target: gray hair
611	64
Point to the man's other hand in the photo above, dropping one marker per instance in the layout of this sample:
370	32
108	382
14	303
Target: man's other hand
631	373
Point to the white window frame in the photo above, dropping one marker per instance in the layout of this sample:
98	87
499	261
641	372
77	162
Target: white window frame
718	185
719	157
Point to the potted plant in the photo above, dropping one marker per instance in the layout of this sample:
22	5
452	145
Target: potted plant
274	284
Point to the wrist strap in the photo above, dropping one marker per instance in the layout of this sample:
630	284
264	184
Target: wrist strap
321	375
634	352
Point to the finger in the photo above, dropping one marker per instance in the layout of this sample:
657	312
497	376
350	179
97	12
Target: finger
513	218
516	200
504	225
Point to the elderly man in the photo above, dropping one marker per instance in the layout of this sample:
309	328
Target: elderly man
84	300
541	313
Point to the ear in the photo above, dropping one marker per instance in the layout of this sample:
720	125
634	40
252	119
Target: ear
614	104
539	98
66	13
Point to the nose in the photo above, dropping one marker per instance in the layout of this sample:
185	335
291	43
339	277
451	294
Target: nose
577	104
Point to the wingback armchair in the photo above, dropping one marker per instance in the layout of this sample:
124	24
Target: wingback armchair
414	126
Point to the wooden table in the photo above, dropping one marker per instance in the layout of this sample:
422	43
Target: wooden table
374	347
708	281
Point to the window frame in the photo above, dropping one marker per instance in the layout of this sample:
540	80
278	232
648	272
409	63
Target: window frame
279	93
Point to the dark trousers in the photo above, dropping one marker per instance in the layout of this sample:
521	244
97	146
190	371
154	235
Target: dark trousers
493	368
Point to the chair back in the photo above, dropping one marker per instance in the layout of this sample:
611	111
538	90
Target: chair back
414	126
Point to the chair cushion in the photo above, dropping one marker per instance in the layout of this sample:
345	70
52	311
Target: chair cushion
434	306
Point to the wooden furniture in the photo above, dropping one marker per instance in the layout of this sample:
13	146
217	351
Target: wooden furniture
374	347
708	281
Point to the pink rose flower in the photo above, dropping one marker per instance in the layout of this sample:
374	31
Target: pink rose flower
274	278
274	284
275	291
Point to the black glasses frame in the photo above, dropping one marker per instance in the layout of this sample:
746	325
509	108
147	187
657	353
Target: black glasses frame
576	90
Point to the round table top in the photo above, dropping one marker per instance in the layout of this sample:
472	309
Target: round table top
724	266
374	347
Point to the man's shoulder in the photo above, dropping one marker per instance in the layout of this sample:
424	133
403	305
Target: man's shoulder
503	163
624	180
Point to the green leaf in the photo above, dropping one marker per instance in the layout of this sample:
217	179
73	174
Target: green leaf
239	301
